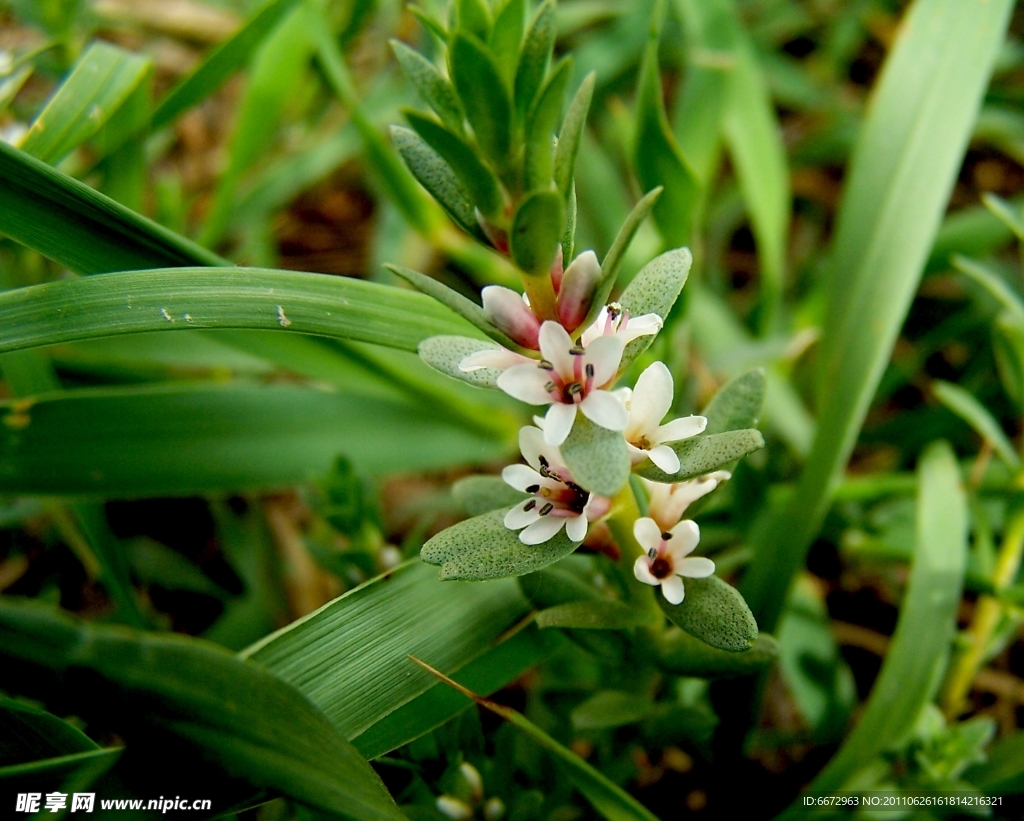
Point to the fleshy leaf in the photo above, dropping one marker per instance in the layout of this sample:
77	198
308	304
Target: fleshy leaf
483	548
554	586
737	404
433	88
610	708
654	290
473	174
703	454
543	122
683	655
434	174
715	613
507	37
463	306
594	614
484	96
569	137
473	16
534	58
537	232
597	457
445	353
482	494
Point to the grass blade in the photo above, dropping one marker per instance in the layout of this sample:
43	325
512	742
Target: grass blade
964	405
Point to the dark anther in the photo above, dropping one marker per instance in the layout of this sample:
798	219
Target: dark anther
574	389
545	365
574	486
543	460
544	511
666	536
549	386
614	310
577	350
533	488
590	371
652	553
530	505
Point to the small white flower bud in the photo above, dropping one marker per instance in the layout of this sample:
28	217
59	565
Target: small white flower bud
390	557
471	775
453	808
494	809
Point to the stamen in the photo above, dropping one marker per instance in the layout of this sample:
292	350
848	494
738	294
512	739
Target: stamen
544	511
545	365
577	350
590	371
530	505
574	389
666	536
533	488
652	553
549	386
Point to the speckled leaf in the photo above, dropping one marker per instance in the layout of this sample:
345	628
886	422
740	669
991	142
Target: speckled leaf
434	174
569	137
433	88
715	613
482	494
595	614
464	307
703	454
683	655
737	404
654	291
534	58
483	548
597	457
444	353
484	95
537	232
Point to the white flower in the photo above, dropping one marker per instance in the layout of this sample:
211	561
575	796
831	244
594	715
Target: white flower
647	404
569	376
666	561
498	358
668	502
556	501
614	321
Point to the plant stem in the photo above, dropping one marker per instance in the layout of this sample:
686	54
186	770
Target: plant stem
987	615
625	512
542	296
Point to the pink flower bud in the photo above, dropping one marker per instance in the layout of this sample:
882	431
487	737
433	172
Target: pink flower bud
511	315
577	290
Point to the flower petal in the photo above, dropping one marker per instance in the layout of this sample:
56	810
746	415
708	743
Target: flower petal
555	345
665	458
642	571
596	507
605	354
673	589
498	358
558	423
521	477
647	533
685	537
640	326
577	289
576	528
696	567
542	530
604	410
526	383
519	517
506	309
532	445
636	455
652	398
682	428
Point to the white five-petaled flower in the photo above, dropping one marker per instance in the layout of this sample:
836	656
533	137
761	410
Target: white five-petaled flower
569	376
556	501
646	405
668	559
613	320
668	502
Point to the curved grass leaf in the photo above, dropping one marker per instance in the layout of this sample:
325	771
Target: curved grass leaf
28	733
964	405
654	290
74	772
225	298
234	716
99	83
69	222
597	457
224	61
12	84
537	232
445	354
609	800
920	646
715	613
485	97
483	548
683	655
610	708
737	404
901	174
482	494
991	282
181	440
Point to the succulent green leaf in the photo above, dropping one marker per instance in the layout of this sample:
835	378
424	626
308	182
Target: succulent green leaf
657	156
475	177
703	454
534	57
435	90
484	95
737	404
654	290
445	353
594	614
537	232
610	708
613	259
482	494
541	125
473	16
463	306
554	586
569	234
597	457
483	548
100	82
438	178
507	37
431	23
572	132
683	655
715	613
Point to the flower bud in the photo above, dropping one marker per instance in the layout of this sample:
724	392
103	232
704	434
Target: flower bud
578	286
453	808
511	315
494	809
471	775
